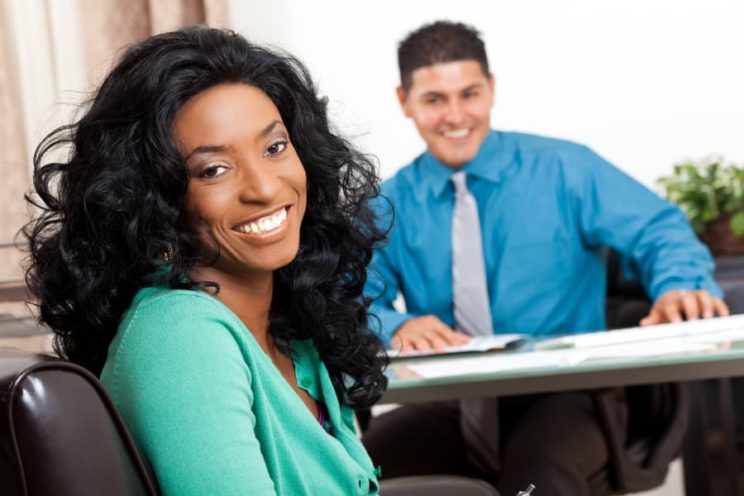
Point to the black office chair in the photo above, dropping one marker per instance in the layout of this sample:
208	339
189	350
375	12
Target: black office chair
714	445
436	485
61	434
658	414
642	446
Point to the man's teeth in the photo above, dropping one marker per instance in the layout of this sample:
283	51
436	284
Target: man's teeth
264	224
457	133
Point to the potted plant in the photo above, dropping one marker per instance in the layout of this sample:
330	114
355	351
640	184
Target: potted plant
712	196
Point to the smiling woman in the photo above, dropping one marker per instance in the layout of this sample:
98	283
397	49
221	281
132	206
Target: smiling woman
204	250
246	197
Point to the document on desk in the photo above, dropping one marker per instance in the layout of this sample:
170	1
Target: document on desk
640	349
476	344
700	328
553	359
475	364
655	341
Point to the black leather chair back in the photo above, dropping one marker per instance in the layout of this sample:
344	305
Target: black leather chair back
61	434
657	414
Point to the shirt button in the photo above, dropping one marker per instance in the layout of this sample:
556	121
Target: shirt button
305	382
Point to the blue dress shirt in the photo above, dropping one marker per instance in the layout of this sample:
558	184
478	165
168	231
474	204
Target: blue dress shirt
547	209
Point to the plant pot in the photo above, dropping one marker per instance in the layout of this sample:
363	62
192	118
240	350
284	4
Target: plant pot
719	238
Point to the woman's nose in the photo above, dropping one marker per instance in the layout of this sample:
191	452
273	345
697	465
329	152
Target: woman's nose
258	184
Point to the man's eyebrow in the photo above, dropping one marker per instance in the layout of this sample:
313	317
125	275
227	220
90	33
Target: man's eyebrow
434	93
429	94
474	86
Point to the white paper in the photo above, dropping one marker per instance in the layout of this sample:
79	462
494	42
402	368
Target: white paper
644	349
699	336
636	334
481	364
552	359
476	344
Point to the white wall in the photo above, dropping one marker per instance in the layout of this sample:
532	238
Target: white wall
645	83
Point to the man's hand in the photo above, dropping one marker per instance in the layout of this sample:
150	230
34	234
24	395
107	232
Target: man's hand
425	333
679	304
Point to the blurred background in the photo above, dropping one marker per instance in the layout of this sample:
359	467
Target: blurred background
646	84
643	83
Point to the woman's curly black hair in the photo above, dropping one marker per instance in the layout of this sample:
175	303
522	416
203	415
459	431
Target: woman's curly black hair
113	208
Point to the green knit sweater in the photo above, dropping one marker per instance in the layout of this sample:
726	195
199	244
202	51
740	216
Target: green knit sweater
212	413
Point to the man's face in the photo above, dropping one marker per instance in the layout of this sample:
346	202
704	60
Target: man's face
450	104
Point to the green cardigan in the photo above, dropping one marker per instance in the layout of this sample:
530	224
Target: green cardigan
214	415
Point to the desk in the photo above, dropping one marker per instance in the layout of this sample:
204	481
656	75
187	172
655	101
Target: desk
725	360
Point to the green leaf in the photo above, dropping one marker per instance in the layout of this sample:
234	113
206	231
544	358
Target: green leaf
705	190
737	223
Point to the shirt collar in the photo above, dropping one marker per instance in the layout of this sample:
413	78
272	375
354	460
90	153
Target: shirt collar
489	164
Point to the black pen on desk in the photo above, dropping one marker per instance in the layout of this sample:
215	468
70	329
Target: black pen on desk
526	492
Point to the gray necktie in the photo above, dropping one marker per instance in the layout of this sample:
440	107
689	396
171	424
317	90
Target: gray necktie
479	417
469	289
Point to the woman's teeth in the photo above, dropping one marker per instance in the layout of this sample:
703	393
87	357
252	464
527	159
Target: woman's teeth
264	224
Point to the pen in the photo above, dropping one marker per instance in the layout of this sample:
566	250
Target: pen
526	492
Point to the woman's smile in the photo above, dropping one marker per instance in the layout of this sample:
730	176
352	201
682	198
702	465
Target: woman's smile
264	228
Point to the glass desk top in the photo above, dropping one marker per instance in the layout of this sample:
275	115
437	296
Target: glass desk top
698	351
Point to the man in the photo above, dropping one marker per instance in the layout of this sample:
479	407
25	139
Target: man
506	232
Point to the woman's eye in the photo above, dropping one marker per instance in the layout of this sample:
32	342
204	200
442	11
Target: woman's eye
214	171
276	148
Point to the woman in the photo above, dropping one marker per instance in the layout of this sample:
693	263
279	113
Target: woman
203	249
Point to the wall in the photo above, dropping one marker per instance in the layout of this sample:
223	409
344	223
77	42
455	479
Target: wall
644	83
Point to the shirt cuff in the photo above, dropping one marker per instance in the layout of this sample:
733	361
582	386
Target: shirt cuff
703	283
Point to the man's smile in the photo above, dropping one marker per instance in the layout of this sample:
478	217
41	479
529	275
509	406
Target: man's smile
456	134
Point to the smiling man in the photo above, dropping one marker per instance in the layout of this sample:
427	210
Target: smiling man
506	232
450	103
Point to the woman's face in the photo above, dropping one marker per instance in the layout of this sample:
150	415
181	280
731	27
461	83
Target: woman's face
247	189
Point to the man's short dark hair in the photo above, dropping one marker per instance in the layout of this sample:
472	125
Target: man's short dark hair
437	43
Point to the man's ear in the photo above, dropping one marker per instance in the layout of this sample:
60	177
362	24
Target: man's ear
403	100
492	87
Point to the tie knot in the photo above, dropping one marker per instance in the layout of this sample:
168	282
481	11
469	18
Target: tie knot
459	179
